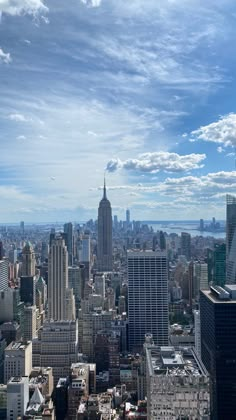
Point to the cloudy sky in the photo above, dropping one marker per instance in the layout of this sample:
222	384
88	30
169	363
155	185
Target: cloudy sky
143	89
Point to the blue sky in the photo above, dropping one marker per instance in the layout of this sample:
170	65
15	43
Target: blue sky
143	89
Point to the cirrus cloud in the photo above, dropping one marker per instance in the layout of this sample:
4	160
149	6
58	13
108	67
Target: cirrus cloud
158	161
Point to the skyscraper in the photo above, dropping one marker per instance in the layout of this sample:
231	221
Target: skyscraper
68	231
58	280
218	347
28	289
28	260
147	297
127	217
4	274
216	261
186	245
104	247
230	239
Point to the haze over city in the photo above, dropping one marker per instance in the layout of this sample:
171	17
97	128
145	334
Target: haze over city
140	90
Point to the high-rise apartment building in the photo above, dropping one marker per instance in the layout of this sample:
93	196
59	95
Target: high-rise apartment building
186	245
68	231
17	397
18	360
28	260
218	347
177	384
58	281
4	273
104	245
230	239
147	297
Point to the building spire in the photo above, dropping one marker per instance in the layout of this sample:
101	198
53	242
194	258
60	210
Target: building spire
104	189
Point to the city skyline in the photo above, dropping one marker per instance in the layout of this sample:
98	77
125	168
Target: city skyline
111	85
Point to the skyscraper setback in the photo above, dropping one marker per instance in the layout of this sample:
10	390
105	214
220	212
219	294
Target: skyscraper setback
104	247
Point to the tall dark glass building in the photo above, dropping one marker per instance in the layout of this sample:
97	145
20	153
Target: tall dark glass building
104	248
230	239
218	347
216	261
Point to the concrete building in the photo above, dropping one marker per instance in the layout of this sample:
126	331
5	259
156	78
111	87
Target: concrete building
200	278
17	397
58	282
75	283
4	274
147	297
177	385
29	325
85	251
18	360
99	284
41	378
6	305
218	347
57	347
28	261
104	244
197	328
78	387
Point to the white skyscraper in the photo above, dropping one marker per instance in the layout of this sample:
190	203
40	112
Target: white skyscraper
58	281
147	297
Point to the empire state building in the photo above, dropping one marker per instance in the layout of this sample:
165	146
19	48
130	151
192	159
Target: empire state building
104	248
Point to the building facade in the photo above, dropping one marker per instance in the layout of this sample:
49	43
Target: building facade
178	385
147	297
218	347
58	281
57	347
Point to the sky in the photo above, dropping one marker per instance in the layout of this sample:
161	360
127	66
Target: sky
141	90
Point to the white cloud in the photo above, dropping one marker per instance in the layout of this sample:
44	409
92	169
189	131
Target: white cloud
5	57
222	131
220	149
204	188
158	161
91	3
18	117
18	7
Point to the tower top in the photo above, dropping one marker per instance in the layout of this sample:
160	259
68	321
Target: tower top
104	189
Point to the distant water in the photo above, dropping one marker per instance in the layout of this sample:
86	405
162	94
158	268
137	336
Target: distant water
189	227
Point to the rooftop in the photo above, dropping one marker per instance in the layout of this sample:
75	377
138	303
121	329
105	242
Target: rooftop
18	345
217	294
170	361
